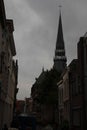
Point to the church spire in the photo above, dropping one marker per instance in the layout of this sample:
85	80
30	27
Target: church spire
60	58
60	39
2	13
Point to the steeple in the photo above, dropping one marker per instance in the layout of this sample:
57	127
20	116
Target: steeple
60	58
60	39
2	13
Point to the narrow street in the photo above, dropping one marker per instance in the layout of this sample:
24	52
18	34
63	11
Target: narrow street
43	65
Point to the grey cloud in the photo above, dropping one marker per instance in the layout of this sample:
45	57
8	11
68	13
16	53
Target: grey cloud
36	25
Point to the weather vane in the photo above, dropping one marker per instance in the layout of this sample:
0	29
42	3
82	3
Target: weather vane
59	5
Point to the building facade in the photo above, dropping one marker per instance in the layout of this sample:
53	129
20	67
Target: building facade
82	59
8	68
60	102
73	83
66	95
76	106
64	99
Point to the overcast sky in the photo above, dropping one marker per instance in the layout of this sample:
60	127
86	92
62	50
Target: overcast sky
36	25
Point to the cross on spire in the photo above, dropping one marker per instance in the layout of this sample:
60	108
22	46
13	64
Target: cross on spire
60	6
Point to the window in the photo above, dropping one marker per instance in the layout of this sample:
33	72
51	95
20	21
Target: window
66	89
86	52
60	96
75	86
0	88
1	61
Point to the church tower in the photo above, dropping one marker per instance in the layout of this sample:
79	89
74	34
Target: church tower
60	58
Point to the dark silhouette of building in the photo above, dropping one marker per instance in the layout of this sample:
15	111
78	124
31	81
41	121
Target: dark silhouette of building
82	59
8	68
44	91
2	14
60	58
76	107
75	97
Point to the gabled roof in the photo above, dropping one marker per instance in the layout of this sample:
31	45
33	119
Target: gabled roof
73	66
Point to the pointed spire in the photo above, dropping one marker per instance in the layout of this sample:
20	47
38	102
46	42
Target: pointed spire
60	39
43	69
2	13
60	58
